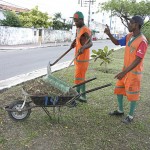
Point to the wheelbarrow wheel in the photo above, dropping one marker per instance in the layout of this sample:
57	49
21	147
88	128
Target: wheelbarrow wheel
19	115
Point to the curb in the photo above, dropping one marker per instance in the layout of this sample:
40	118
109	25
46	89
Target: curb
32	47
38	46
4	84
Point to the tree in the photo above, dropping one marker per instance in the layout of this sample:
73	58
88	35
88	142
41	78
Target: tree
59	23
11	19
35	18
104	55
146	30
68	25
124	9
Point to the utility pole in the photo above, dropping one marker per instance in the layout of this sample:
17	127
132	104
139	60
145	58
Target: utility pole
84	4
89	13
110	19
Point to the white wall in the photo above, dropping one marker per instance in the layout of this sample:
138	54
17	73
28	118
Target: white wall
1	15
16	36
56	36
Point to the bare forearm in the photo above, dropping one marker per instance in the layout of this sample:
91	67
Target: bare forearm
85	46
88	45
73	44
113	39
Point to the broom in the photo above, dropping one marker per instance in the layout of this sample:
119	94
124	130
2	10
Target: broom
57	82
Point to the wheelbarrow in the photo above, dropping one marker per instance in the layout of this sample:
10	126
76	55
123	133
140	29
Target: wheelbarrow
20	110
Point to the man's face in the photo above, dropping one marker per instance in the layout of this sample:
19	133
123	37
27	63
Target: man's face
132	25
78	22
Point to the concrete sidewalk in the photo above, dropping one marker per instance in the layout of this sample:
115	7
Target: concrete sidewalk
31	46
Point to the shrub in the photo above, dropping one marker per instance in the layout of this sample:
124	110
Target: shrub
104	55
146	30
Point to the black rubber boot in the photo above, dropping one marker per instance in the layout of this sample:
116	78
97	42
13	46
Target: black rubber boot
116	113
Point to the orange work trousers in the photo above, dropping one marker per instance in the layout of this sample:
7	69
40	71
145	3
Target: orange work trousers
129	87
80	72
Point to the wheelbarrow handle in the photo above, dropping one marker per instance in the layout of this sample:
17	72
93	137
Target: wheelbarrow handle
88	91
84	82
61	57
95	89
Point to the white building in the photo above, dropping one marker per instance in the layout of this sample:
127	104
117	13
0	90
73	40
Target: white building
98	20
4	6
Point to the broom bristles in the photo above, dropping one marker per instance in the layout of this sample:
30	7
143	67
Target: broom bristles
57	83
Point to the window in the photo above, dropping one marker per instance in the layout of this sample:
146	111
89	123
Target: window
40	32
34	33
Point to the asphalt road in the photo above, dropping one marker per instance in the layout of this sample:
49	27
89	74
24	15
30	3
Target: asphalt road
16	62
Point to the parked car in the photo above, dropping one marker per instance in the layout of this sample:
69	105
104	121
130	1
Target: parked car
94	38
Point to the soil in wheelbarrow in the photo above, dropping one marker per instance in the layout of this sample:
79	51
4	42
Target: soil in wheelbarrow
36	87
40	88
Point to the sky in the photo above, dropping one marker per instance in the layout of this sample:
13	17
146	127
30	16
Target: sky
66	7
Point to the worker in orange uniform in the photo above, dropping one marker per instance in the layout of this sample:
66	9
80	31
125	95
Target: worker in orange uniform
129	79
81	43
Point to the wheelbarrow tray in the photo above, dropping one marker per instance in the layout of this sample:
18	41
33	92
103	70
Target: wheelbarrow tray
21	109
50	100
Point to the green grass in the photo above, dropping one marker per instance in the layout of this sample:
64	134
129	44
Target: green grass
86	127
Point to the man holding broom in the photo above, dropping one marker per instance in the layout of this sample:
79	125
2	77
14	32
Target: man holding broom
81	43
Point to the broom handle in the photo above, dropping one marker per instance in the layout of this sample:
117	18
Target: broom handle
61	57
